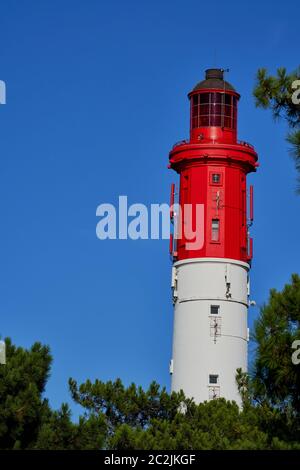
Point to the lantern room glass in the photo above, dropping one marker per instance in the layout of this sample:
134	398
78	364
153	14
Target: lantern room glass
214	109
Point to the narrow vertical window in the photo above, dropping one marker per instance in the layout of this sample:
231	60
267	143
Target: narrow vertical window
215	230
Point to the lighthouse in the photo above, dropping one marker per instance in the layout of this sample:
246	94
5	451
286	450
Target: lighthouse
210	277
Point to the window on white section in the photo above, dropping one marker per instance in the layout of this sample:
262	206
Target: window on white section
214	309
215	230
213	379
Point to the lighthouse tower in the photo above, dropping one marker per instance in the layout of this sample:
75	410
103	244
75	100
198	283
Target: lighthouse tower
210	277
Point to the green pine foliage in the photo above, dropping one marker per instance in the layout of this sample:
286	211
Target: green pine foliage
276	378
22	382
26	419
155	420
58	432
275	93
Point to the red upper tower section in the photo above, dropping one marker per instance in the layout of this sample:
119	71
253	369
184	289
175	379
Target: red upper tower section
213	166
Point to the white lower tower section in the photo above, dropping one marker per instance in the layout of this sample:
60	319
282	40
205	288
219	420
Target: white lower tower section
210	327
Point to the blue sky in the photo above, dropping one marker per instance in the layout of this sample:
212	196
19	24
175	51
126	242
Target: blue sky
96	97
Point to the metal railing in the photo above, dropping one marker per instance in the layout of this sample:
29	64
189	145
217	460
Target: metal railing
240	142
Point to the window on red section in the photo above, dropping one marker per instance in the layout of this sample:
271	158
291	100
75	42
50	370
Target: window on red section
216	178
215	230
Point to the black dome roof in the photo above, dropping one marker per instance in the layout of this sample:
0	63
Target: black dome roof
214	78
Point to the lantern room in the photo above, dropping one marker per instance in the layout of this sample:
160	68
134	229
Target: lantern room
213	109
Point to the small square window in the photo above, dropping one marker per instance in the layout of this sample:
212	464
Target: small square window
214	309
213	379
216	178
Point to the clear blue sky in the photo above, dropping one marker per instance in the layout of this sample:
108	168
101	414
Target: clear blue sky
96	96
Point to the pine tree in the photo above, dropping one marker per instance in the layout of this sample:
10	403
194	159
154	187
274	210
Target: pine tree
276	93
26	419
276	378
22	383
155	420
273	384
